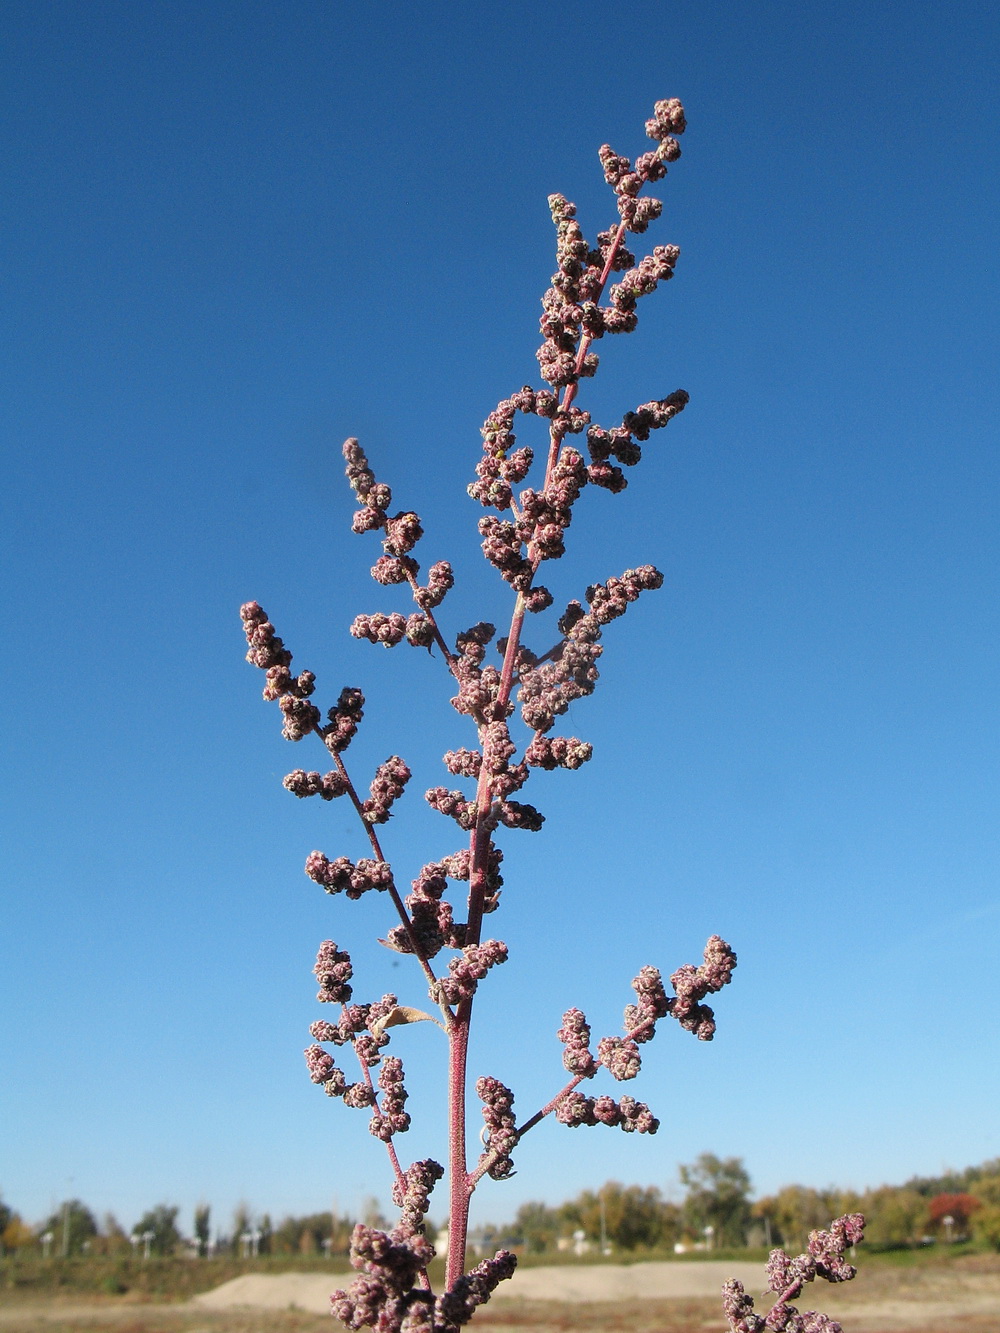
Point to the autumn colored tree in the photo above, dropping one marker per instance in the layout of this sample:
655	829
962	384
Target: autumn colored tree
959	1207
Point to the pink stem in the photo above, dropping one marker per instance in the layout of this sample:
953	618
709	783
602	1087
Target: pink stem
460	1190
462	1184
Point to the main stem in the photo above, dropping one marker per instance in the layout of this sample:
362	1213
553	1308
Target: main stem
461	1182
461	1192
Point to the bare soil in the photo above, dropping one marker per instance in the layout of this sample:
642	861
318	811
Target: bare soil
958	1297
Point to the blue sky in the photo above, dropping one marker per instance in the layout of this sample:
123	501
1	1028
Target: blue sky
238	233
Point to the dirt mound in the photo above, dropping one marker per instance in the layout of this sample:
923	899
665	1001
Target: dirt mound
567	1282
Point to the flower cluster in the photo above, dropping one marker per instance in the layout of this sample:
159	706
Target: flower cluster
329	785
389	1117
501	1127
344	720
387	786
548	688
787	1276
629	1115
343	875
651	1004
333	971
468	970
692	984
268	652
575	1036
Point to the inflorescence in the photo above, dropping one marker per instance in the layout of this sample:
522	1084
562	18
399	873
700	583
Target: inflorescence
493	679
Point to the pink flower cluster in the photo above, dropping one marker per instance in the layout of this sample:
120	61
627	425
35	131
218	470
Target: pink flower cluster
692	984
343	875
501	1127
627	1114
787	1276
467	971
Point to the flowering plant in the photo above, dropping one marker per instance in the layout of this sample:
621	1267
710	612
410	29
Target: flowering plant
521	531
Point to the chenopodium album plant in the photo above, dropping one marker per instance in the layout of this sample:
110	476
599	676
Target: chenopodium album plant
522	530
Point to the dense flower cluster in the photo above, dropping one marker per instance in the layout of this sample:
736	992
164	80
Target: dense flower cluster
343	875
692	984
501	1127
547	689
468	970
633	1117
387	786
389	1117
329	785
787	1276
651	1004
333	971
575	1036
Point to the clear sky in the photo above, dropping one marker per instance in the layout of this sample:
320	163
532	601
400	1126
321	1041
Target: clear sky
238	232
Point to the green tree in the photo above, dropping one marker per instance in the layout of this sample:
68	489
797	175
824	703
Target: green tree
203	1228
987	1189
795	1211
241	1225
162	1222
894	1216
634	1216
986	1225
536	1227
718	1196
112	1239
73	1225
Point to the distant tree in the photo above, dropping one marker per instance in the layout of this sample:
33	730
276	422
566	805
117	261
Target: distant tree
73	1225
241	1225
894	1216
266	1233
718	1195
112	1238
795	1211
307	1235
987	1188
986	1225
203	1228
162	1222
536	1227
7	1215
634	1216
16	1234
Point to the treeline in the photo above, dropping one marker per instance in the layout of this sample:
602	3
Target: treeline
73	1230
718	1211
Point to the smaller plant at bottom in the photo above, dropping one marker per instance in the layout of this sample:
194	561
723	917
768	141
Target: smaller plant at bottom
521	530
786	1277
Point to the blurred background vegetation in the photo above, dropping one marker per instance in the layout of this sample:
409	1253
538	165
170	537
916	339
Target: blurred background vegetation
72	1251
